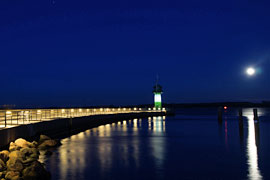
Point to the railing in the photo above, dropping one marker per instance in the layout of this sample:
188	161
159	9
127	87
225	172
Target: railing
10	118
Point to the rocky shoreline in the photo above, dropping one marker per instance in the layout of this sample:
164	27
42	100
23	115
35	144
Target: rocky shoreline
21	160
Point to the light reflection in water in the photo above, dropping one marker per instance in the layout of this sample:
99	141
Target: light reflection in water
157	127
69	159
252	154
106	141
157	124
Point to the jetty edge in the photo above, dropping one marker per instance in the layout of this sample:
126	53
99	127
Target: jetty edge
59	128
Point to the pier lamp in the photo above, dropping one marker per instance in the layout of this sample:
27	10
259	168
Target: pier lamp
8	113
157	96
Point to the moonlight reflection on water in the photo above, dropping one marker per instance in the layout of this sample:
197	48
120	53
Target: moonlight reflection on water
193	146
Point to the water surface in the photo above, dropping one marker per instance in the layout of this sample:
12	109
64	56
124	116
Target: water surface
191	145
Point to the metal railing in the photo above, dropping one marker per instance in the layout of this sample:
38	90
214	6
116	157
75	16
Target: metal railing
10	118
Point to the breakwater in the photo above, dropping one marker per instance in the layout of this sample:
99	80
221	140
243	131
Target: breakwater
67	126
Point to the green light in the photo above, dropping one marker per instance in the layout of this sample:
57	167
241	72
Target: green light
157	99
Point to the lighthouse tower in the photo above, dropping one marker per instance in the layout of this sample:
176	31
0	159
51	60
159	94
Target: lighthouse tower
157	96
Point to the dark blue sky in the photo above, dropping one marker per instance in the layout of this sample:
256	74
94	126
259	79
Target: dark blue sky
63	52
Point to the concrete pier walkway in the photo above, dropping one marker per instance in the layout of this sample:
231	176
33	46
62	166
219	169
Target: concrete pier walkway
28	123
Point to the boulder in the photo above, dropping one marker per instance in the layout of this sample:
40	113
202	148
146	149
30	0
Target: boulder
35	143
30	145
12	175
3	174
42	147
14	164
2	165
21	143
48	143
13	147
35	171
35	156
27	152
43	138
29	161
16	155
4	155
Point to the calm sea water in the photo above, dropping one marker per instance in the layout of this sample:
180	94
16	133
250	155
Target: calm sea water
191	145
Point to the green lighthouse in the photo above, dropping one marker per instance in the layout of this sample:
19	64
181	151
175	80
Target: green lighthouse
157	96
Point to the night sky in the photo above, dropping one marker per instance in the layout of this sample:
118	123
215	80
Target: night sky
82	52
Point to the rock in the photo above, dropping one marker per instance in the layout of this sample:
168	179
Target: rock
42	147
35	171
3	174
35	156
4	155
49	143
27	152
14	164
35	143
12	175
30	145
28	161
2	165
43	138
13	147
16	155
21	143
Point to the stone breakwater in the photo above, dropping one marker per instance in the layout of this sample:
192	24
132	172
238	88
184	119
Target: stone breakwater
21	160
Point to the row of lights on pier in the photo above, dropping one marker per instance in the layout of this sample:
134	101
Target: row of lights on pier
9	113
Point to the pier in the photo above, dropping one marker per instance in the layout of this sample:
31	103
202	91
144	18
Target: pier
27	123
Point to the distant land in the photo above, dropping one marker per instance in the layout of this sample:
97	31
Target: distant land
170	105
218	104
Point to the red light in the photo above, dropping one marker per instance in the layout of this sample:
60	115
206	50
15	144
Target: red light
225	107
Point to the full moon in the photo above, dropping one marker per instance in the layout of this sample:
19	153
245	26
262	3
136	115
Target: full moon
250	71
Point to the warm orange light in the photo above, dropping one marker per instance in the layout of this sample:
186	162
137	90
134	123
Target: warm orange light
225	107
